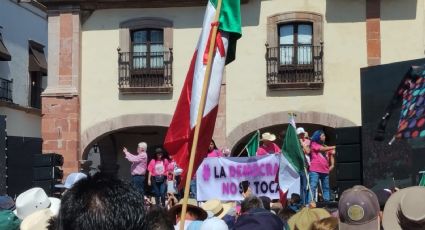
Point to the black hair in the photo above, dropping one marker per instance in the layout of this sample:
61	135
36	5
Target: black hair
251	202
266	202
295	198
101	202
157	218
215	146
285	213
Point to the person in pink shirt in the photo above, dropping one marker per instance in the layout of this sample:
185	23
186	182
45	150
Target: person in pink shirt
213	151
320	156
138	166
158	176
268	146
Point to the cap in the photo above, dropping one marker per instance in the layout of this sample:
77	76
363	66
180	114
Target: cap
71	180
358	208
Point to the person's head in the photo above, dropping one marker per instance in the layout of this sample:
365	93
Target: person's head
295	198
142	147
214	223
305	218
285	213
101	202
266	202
251	202
358	208
193	212
383	195
212	146
267	138
318	136
330	223
405	209
301	132
157	219
159	154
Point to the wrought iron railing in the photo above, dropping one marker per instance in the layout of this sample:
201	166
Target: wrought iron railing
6	90
294	67
145	72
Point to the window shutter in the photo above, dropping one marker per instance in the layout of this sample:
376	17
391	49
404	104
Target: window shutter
125	39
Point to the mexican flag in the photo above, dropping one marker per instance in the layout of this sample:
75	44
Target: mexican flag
291	161
179	137
253	144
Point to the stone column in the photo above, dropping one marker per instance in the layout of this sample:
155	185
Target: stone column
219	135
60	124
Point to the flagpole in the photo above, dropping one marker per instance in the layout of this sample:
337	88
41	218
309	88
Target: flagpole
292	114
201	108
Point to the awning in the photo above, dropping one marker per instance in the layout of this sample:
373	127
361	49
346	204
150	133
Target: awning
4	53
37	59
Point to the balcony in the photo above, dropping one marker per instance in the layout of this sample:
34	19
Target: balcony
6	90
292	67
145	72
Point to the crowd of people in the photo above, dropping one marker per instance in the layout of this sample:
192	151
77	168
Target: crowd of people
103	202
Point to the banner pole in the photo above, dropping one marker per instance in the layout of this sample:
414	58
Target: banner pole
201	108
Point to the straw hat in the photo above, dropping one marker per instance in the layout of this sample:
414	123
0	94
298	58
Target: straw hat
405	207
192	205
39	220
33	200
268	137
306	217
217	208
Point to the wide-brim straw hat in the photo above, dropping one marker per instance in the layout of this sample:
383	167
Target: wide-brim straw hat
405	207
217	208
39	220
306	217
268	137
192	205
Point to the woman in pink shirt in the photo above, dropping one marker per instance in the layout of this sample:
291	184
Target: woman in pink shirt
213	151
158	176
138	166
268	146
320	155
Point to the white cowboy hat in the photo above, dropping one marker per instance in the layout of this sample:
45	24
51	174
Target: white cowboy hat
217	208
71	179
33	200
300	130
268	137
39	220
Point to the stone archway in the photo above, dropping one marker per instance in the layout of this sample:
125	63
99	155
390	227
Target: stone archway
270	119
104	128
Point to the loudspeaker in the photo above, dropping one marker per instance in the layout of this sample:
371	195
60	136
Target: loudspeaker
343	185
47	173
47	185
47	159
348	171
348	153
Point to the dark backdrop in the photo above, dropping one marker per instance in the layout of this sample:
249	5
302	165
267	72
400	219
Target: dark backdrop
383	162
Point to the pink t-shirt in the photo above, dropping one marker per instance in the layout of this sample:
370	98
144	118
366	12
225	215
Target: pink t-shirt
319	162
268	149
156	168
138	162
215	153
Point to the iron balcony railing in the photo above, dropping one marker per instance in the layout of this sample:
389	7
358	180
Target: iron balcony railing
145	72
6	90
295	67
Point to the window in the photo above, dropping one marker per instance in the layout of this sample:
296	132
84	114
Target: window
295	44
294	51
147	48
145	56
37	67
4	53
